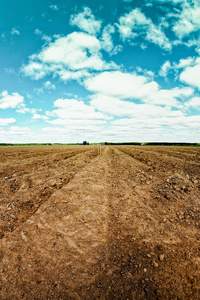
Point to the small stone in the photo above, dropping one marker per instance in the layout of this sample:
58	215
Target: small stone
148	255
145	270
155	264
161	257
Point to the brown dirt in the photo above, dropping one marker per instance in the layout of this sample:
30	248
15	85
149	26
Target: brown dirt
77	223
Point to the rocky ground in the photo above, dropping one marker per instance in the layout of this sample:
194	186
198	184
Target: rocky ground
80	223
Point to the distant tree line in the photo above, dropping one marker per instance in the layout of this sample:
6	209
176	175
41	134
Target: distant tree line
155	144
109	143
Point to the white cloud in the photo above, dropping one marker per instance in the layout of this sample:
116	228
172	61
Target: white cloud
135	21
182	64
131	85
86	21
188	20
10	101
169	97
77	51
35	70
36	116
149	5
107	43
117	49
4	121
16	101
15	31
72	52
74	112
66	75
38	32
130	21
193	103
191	74
17	130
171	121
54	7
48	85
189	61
153	100
119	108
44	37
155	35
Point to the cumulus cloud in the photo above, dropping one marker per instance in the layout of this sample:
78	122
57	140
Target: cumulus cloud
72	111
146	96
193	103
135	21
120	108
191	74
15	101
86	21
10	101
107	42
6	121
169	97
176	67
36	116
35	70
72	51
131	85
77	51
188	20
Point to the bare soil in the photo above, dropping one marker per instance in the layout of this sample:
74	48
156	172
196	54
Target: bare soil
77	222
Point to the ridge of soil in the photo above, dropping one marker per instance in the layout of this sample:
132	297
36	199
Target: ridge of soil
80	223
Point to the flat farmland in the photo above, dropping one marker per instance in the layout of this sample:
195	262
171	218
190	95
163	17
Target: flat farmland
90	222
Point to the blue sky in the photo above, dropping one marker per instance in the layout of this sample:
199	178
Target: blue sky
99	71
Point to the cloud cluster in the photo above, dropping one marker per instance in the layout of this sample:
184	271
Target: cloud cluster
68	56
10	101
118	102
187	70
73	112
86	21
191	74
135	21
131	85
188	20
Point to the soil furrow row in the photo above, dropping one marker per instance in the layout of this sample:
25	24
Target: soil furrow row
23	195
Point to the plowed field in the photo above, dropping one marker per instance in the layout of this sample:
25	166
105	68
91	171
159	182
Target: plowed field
80	222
